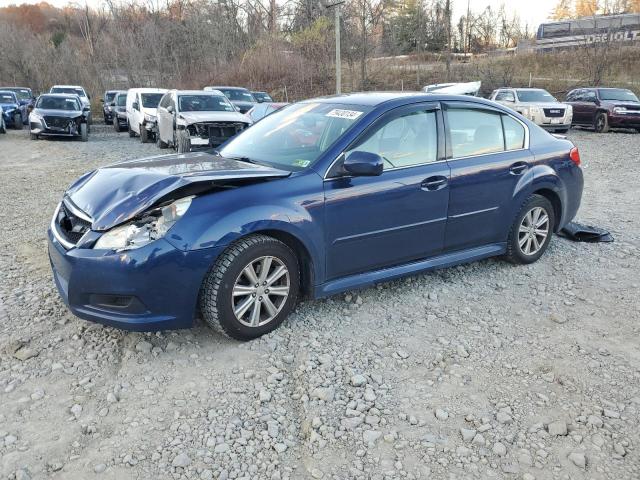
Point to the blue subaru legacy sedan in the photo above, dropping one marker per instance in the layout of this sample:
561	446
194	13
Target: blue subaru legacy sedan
320	197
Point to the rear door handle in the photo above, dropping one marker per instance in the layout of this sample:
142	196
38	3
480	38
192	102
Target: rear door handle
518	168
434	183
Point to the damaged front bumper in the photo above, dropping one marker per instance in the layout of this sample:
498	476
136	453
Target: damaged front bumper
151	288
213	134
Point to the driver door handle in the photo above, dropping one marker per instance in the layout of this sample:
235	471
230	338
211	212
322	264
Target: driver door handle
434	183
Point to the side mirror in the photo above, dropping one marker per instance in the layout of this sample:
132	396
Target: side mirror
86	109
170	109
102	100
135	106
112	104
363	164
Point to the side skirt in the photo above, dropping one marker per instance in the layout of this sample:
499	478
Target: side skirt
362	280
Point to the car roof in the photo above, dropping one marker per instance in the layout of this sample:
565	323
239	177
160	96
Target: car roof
148	90
2	90
15	88
228	88
378	98
199	92
67	86
63	95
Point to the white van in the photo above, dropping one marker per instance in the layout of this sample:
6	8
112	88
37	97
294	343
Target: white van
141	111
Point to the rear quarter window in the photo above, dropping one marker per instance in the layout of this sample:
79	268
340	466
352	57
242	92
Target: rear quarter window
474	132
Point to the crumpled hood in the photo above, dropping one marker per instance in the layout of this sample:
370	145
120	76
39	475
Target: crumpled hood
57	113
195	117
116	193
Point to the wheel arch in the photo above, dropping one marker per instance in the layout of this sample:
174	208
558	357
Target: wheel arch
305	261
555	201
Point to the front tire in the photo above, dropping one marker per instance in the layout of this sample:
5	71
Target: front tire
251	289
183	142
17	121
144	134
84	132
601	123
33	136
131	132
162	145
531	231
116	125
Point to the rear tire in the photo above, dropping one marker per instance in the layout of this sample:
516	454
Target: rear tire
116	125
17	121
183	143
531	231
601	123
233	315
84	132
131	132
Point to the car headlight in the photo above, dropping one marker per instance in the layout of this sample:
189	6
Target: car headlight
619	109
108	109
34	117
149	118
153	225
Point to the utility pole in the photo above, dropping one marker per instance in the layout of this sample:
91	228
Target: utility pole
336	7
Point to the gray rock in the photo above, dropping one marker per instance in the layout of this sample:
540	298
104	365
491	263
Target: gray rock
25	353
143	346
371	436
503	417
499	449
181	460
578	459
99	468
358	380
557	428
467	434
441	414
324	393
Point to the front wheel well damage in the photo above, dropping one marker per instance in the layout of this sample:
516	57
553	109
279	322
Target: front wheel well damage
555	201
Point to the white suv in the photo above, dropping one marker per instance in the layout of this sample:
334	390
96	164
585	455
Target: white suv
142	104
537	105
197	118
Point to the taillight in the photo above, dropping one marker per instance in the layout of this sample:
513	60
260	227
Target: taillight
574	155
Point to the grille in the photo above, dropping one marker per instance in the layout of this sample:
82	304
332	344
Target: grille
216	132
554	112
57	122
70	226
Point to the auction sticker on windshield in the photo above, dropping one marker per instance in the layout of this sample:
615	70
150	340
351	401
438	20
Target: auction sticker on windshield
348	114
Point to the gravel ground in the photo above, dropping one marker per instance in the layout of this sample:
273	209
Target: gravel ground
476	372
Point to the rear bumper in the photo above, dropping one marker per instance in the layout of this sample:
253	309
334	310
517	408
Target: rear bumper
152	288
554	127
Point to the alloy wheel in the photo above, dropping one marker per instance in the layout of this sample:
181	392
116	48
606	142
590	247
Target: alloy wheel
533	231
260	291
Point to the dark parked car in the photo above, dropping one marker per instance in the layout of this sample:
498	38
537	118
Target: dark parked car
119	109
11	111
25	100
604	108
108	106
262	97
59	115
261	110
318	198
240	97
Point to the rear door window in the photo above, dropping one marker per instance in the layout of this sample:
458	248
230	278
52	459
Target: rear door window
474	132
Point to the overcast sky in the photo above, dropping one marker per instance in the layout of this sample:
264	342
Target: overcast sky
532	12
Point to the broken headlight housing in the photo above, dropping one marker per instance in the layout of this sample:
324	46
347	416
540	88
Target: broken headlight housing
152	225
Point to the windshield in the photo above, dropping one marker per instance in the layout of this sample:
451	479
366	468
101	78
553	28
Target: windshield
6	97
617	94
121	100
21	93
204	103
535	96
151	100
58	103
109	97
76	91
238	95
262	96
294	137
